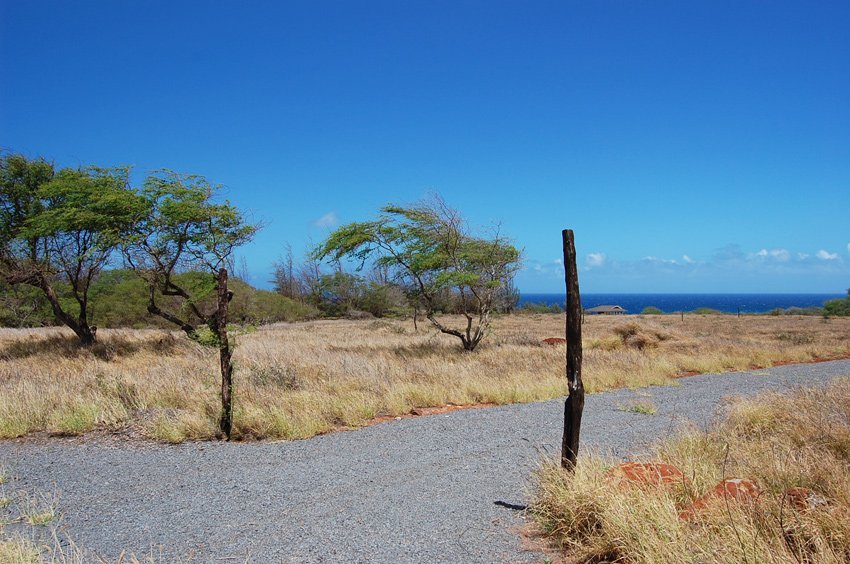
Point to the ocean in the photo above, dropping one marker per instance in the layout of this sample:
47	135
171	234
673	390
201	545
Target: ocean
668	303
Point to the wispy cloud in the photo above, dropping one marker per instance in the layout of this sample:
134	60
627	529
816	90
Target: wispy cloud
826	255
656	260
328	220
594	260
730	261
782	255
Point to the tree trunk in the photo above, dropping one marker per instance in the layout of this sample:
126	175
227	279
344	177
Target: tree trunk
87	335
574	404
225	355
448	330
153	309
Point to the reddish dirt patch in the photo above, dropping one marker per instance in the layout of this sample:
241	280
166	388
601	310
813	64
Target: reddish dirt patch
424	411
777	363
533	538
652	474
787	362
554	341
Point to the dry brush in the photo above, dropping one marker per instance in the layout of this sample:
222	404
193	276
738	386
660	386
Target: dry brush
298	380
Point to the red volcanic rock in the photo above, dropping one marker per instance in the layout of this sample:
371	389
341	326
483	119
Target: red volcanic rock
652	473
741	490
803	499
553	341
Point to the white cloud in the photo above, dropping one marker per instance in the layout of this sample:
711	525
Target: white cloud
657	260
595	259
782	255
826	255
547	268
848	248
328	220
803	256
687	259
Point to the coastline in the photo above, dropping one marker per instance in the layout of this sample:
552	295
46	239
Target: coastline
749	303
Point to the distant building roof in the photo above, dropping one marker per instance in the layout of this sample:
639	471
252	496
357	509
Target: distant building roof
606	309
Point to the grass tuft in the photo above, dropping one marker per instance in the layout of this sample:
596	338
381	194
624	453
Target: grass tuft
74	419
37	509
780	441
18	550
643	407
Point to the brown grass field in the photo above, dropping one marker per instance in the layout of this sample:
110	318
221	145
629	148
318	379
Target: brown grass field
299	380
779	441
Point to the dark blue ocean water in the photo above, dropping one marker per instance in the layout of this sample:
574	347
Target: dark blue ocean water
668	303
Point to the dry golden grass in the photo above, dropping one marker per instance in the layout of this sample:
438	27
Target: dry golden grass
778	441
298	380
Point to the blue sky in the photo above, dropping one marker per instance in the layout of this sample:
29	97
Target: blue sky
692	146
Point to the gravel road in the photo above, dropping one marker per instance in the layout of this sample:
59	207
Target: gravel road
412	490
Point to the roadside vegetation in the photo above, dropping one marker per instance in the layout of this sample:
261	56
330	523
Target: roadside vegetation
32	529
793	448
27	522
296	380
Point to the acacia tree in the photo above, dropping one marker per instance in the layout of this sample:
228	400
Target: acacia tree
186	229
62	226
428	249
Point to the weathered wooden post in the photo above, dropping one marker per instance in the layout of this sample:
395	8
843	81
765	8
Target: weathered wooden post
224	354
574	404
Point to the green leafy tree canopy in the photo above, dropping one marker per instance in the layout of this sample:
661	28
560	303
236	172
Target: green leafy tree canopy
428	249
184	229
62	226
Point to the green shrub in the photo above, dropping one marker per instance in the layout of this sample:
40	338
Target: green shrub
707	311
205	336
270	307
651	310
530	307
811	310
839	307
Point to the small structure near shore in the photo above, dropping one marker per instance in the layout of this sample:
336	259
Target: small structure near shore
605	310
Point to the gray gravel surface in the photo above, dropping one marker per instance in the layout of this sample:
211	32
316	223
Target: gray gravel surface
412	490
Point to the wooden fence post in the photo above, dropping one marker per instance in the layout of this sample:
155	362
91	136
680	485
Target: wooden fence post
225	354
574	404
